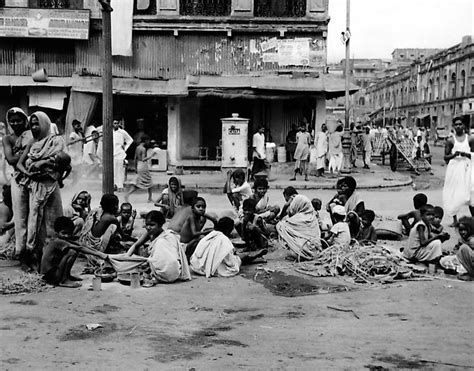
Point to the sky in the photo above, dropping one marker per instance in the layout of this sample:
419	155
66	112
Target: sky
379	26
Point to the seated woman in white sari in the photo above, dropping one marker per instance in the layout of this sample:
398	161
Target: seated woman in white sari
215	255
167	258
299	232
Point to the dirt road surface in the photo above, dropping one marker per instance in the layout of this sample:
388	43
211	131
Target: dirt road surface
269	317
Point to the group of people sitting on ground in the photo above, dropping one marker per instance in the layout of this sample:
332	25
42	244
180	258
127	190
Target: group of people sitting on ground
426	235
181	237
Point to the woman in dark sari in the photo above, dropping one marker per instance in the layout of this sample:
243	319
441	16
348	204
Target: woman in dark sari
352	202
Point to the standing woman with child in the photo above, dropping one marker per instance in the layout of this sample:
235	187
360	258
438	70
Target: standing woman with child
41	177
458	179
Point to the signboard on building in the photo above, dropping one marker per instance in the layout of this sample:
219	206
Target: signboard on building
44	23
306	52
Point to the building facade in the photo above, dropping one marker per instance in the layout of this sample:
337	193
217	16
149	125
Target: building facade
428	92
193	62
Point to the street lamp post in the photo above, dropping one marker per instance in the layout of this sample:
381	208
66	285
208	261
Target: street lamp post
107	100
346	138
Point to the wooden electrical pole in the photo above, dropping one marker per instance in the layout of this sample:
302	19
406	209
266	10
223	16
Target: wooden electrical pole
107	100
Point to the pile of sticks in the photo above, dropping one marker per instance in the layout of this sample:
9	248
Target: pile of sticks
365	264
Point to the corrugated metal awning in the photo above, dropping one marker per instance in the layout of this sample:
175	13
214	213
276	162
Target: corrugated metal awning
132	86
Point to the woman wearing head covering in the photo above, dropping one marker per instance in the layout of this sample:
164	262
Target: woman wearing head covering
39	166
78	210
171	198
14	144
299	232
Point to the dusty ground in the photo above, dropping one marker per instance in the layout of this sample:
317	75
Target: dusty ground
257	320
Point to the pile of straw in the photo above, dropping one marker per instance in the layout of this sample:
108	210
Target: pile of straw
25	283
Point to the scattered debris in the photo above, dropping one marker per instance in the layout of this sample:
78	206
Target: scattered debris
93	326
344	310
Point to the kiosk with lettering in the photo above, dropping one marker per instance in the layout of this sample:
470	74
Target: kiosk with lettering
234	141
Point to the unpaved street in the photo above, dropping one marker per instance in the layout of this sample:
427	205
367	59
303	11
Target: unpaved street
269	317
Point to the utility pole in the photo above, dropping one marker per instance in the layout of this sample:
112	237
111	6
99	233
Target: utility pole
107	100
346	138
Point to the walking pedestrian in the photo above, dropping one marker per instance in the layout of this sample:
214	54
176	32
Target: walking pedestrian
321	142
122	140
259	158
335	150
144	179
303	140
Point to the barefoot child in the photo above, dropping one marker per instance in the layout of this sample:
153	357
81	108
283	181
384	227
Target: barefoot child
339	233
317	205
419	200
367	232
60	254
252	228
422	245
237	188
436	227
260	195
192	230
126	220
101	226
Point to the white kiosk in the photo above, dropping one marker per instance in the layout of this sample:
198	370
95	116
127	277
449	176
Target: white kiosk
234	142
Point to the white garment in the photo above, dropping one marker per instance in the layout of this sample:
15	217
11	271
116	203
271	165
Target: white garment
258	144
75	149
90	147
122	140
335	162
214	256
457	181
119	173
167	258
122	22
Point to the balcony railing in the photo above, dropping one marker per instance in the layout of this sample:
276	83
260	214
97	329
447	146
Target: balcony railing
210	8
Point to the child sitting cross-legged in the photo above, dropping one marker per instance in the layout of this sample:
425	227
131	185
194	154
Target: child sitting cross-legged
339	234
423	246
60	254
367	230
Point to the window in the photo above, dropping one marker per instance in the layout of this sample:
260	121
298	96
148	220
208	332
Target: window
144	7
280	8
208	8
462	82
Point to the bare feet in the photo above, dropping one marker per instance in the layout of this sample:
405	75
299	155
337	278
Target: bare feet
292	179
70	284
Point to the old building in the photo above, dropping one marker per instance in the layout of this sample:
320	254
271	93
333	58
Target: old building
428	92
192	63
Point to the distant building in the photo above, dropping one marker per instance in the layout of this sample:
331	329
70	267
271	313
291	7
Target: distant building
428	92
405	56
